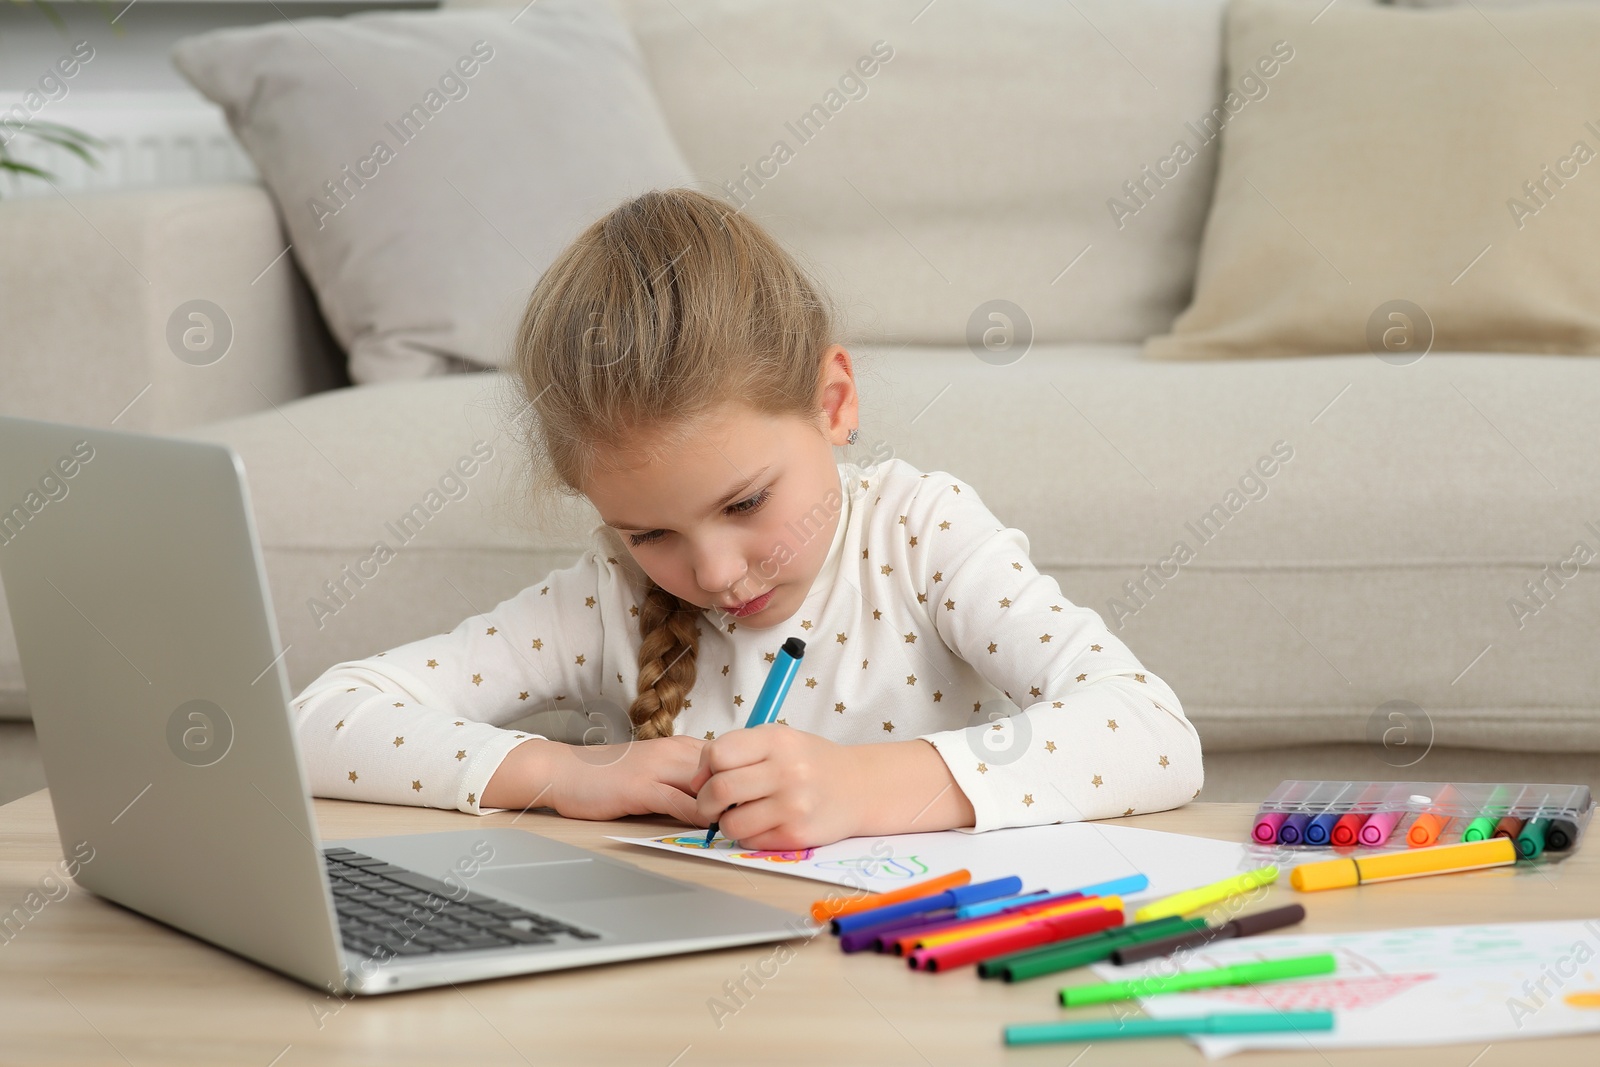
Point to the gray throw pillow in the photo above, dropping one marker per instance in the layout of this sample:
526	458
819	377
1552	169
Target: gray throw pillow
430	166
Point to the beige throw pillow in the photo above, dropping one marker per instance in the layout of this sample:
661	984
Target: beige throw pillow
1416	178
430	165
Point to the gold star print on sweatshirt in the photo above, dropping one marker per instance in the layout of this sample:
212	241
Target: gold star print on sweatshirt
927	620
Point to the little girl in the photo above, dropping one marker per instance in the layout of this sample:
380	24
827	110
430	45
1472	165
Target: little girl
681	373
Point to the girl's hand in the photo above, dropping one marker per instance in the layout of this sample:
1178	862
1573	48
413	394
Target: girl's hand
599	781
633	778
794	789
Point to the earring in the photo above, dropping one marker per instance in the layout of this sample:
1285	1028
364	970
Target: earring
852	438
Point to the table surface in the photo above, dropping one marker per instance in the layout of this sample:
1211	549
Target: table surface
88	982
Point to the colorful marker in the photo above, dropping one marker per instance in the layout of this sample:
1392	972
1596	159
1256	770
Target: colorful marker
1560	835
1266	828
1320	829
1244	926
1081	951
828	907
1379	825
949	898
1440	859
784	667
1047	931
1293	828
1133	883
1347	831
1425	829
1206	895
1508	826
993	968
1482	827
1237	974
973	927
1530	842
1243	1022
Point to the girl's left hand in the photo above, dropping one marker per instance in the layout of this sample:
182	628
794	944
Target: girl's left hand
793	788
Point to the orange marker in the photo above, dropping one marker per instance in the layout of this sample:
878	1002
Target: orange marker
832	908
1426	829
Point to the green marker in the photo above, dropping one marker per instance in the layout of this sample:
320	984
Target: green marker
1530	843
1238	1022
1482	828
1238	974
999	965
1080	952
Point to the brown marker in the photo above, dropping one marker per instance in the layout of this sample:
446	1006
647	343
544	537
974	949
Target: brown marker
1243	926
1509	826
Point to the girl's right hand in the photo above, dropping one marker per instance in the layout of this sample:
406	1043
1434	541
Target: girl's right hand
603	782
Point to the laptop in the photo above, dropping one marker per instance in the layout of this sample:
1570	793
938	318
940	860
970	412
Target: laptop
136	587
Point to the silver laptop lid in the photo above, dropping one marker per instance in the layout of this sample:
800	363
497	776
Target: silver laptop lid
134	579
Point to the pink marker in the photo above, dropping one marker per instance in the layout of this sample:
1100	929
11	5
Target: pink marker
1376	830
1266	828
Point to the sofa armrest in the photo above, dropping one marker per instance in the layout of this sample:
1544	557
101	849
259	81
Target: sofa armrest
91	287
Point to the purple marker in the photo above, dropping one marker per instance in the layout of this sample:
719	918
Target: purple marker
867	937
1293	828
1377	828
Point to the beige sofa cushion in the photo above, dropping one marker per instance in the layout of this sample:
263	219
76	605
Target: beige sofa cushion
429	166
974	164
1445	158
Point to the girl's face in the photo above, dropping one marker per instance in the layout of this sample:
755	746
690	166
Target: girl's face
738	518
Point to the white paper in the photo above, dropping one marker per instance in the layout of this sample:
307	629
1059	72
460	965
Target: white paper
1424	985
1057	857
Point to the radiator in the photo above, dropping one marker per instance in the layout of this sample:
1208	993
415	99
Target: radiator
153	138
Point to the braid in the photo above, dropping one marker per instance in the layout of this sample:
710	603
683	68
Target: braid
671	635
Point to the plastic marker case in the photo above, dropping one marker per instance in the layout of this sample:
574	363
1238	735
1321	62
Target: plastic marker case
1540	818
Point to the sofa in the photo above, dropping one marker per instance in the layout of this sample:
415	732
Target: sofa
1353	528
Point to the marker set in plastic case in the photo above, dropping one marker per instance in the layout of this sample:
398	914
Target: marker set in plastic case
1539	818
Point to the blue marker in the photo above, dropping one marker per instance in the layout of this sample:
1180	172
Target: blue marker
950	898
784	667
1133	883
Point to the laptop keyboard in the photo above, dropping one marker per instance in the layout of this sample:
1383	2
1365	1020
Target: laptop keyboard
386	911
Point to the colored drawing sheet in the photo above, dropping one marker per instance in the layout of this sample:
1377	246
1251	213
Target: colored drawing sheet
1057	857
1423	985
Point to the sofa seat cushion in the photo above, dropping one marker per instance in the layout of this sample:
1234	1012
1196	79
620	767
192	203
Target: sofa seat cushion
1404	511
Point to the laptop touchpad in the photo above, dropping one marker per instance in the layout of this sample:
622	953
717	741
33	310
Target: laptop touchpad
564	881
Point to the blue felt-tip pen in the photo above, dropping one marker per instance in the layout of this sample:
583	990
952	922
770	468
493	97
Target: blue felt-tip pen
785	665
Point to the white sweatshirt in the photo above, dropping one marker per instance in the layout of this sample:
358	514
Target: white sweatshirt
927	620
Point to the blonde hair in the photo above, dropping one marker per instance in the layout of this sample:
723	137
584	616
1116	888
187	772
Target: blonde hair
668	307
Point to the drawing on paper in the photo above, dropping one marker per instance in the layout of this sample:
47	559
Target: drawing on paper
878	866
722	844
1341	994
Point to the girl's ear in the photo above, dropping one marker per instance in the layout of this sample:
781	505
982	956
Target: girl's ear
840	408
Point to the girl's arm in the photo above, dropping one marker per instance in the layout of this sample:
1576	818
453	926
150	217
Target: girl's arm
1099	735
420	724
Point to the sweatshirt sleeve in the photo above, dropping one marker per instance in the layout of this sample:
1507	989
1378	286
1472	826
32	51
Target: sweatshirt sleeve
421	724
1097	734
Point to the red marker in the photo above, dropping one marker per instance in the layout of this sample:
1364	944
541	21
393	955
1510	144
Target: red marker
986	946
1347	831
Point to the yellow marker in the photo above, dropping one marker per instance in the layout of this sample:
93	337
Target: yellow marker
1440	859
1195	899
1587	998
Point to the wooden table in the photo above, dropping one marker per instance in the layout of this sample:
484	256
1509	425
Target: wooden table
87	982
